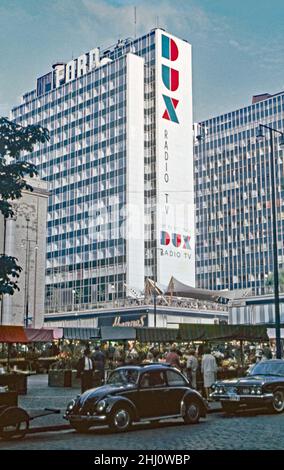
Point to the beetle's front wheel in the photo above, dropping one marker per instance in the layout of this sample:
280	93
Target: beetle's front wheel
121	419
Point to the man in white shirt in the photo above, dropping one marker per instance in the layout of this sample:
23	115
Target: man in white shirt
85	371
209	370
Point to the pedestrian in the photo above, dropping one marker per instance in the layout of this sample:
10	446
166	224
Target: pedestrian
209	370
172	358
85	370
99	363
191	367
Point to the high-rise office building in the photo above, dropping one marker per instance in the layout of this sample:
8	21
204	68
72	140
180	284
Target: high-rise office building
24	236
119	166
234	247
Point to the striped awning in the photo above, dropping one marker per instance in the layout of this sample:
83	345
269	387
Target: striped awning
85	334
39	335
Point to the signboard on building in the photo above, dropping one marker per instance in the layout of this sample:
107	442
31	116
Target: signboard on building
134	320
174	144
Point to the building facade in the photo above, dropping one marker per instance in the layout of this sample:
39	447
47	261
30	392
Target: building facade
24	237
119	167
139	316
234	248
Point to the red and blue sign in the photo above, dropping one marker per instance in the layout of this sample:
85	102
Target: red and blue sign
177	239
170	77
169	48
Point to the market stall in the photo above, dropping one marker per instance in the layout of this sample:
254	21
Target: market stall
62	372
14	380
227	342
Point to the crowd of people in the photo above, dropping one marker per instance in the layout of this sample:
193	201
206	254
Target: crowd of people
191	362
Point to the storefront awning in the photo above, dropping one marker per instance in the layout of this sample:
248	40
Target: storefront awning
117	333
12	334
157	335
39	335
85	334
195	332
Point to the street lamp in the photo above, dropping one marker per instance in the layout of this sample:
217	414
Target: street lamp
155	305
260	135
26	242
113	296
73	298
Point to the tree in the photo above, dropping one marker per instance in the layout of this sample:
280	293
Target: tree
270	280
14	139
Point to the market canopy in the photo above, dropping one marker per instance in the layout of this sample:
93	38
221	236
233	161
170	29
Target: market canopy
13	334
179	289
203	332
157	335
117	333
39	335
85	334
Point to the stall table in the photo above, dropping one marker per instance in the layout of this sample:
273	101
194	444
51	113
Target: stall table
15	381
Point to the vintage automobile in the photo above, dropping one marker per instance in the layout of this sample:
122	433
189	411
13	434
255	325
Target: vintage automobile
263	387
137	393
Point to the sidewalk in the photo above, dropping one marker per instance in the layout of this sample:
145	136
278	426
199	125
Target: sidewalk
41	396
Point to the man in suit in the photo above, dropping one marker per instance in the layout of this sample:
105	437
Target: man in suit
99	364
85	370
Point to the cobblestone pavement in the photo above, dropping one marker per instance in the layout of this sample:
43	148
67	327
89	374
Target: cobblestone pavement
247	431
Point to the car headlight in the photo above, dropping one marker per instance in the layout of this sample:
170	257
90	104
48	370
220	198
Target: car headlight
101	406
253	391
258	390
71	405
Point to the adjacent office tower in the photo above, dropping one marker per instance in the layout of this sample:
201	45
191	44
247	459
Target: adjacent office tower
234	248
24	236
119	166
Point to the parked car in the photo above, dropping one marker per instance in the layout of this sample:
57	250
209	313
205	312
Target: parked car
149	392
263	387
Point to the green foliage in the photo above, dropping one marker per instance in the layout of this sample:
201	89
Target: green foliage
270	280
14	139
9	272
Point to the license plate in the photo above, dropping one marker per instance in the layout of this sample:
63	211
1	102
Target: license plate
234	398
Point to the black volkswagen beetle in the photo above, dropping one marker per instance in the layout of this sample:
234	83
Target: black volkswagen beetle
137	393
263	387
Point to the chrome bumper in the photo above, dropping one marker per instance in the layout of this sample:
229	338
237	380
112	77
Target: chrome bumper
239	398
85	418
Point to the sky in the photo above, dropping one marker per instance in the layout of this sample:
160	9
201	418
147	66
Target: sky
238	45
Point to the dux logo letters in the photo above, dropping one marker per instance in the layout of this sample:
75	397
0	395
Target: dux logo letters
170	78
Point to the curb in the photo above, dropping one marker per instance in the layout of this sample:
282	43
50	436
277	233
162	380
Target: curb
58	427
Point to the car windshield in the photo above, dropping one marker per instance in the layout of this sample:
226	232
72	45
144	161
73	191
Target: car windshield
123	377
268	368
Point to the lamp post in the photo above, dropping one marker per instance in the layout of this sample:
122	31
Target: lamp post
26	242
260	135
155	306
113	294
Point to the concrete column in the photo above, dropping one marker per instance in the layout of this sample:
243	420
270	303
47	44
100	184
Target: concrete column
9	250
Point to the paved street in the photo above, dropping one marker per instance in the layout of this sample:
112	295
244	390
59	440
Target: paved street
217	432
248	431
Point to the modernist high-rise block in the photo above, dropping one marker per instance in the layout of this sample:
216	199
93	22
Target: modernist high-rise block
234	245
119	167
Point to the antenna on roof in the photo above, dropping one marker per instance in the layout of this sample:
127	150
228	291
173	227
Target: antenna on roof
135	21
157	21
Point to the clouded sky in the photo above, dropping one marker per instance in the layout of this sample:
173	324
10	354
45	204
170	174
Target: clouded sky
238	46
